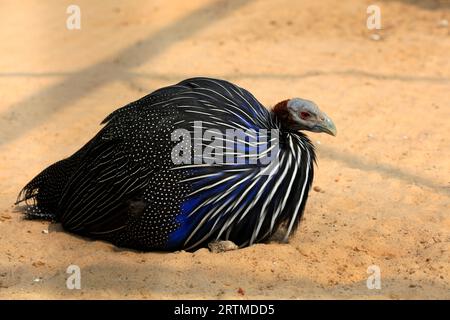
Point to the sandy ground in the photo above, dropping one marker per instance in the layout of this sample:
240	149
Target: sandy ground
385	179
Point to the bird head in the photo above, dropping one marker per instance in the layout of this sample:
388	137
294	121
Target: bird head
300	114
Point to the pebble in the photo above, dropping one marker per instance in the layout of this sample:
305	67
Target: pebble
318	189
45	231
375	37
222	246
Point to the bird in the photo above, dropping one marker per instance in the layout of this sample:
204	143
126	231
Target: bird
186	165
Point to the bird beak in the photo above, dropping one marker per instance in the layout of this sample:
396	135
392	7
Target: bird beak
326	125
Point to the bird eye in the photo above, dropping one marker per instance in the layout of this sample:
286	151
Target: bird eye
304	115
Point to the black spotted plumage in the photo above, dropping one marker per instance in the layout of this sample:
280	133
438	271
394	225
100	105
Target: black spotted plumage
124	187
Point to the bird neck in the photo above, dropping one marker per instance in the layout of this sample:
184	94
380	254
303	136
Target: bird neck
281	112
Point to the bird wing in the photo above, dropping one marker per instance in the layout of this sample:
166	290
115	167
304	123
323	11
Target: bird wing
116	167
96	199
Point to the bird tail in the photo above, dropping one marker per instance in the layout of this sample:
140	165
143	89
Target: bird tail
42	194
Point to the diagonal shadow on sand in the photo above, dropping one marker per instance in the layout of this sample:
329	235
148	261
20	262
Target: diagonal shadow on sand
79	84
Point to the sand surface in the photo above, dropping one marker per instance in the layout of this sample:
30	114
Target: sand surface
384	180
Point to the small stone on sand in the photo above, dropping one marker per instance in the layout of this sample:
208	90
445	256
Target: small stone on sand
375	37
222	246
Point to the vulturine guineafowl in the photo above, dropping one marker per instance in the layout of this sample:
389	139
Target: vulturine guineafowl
188	164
